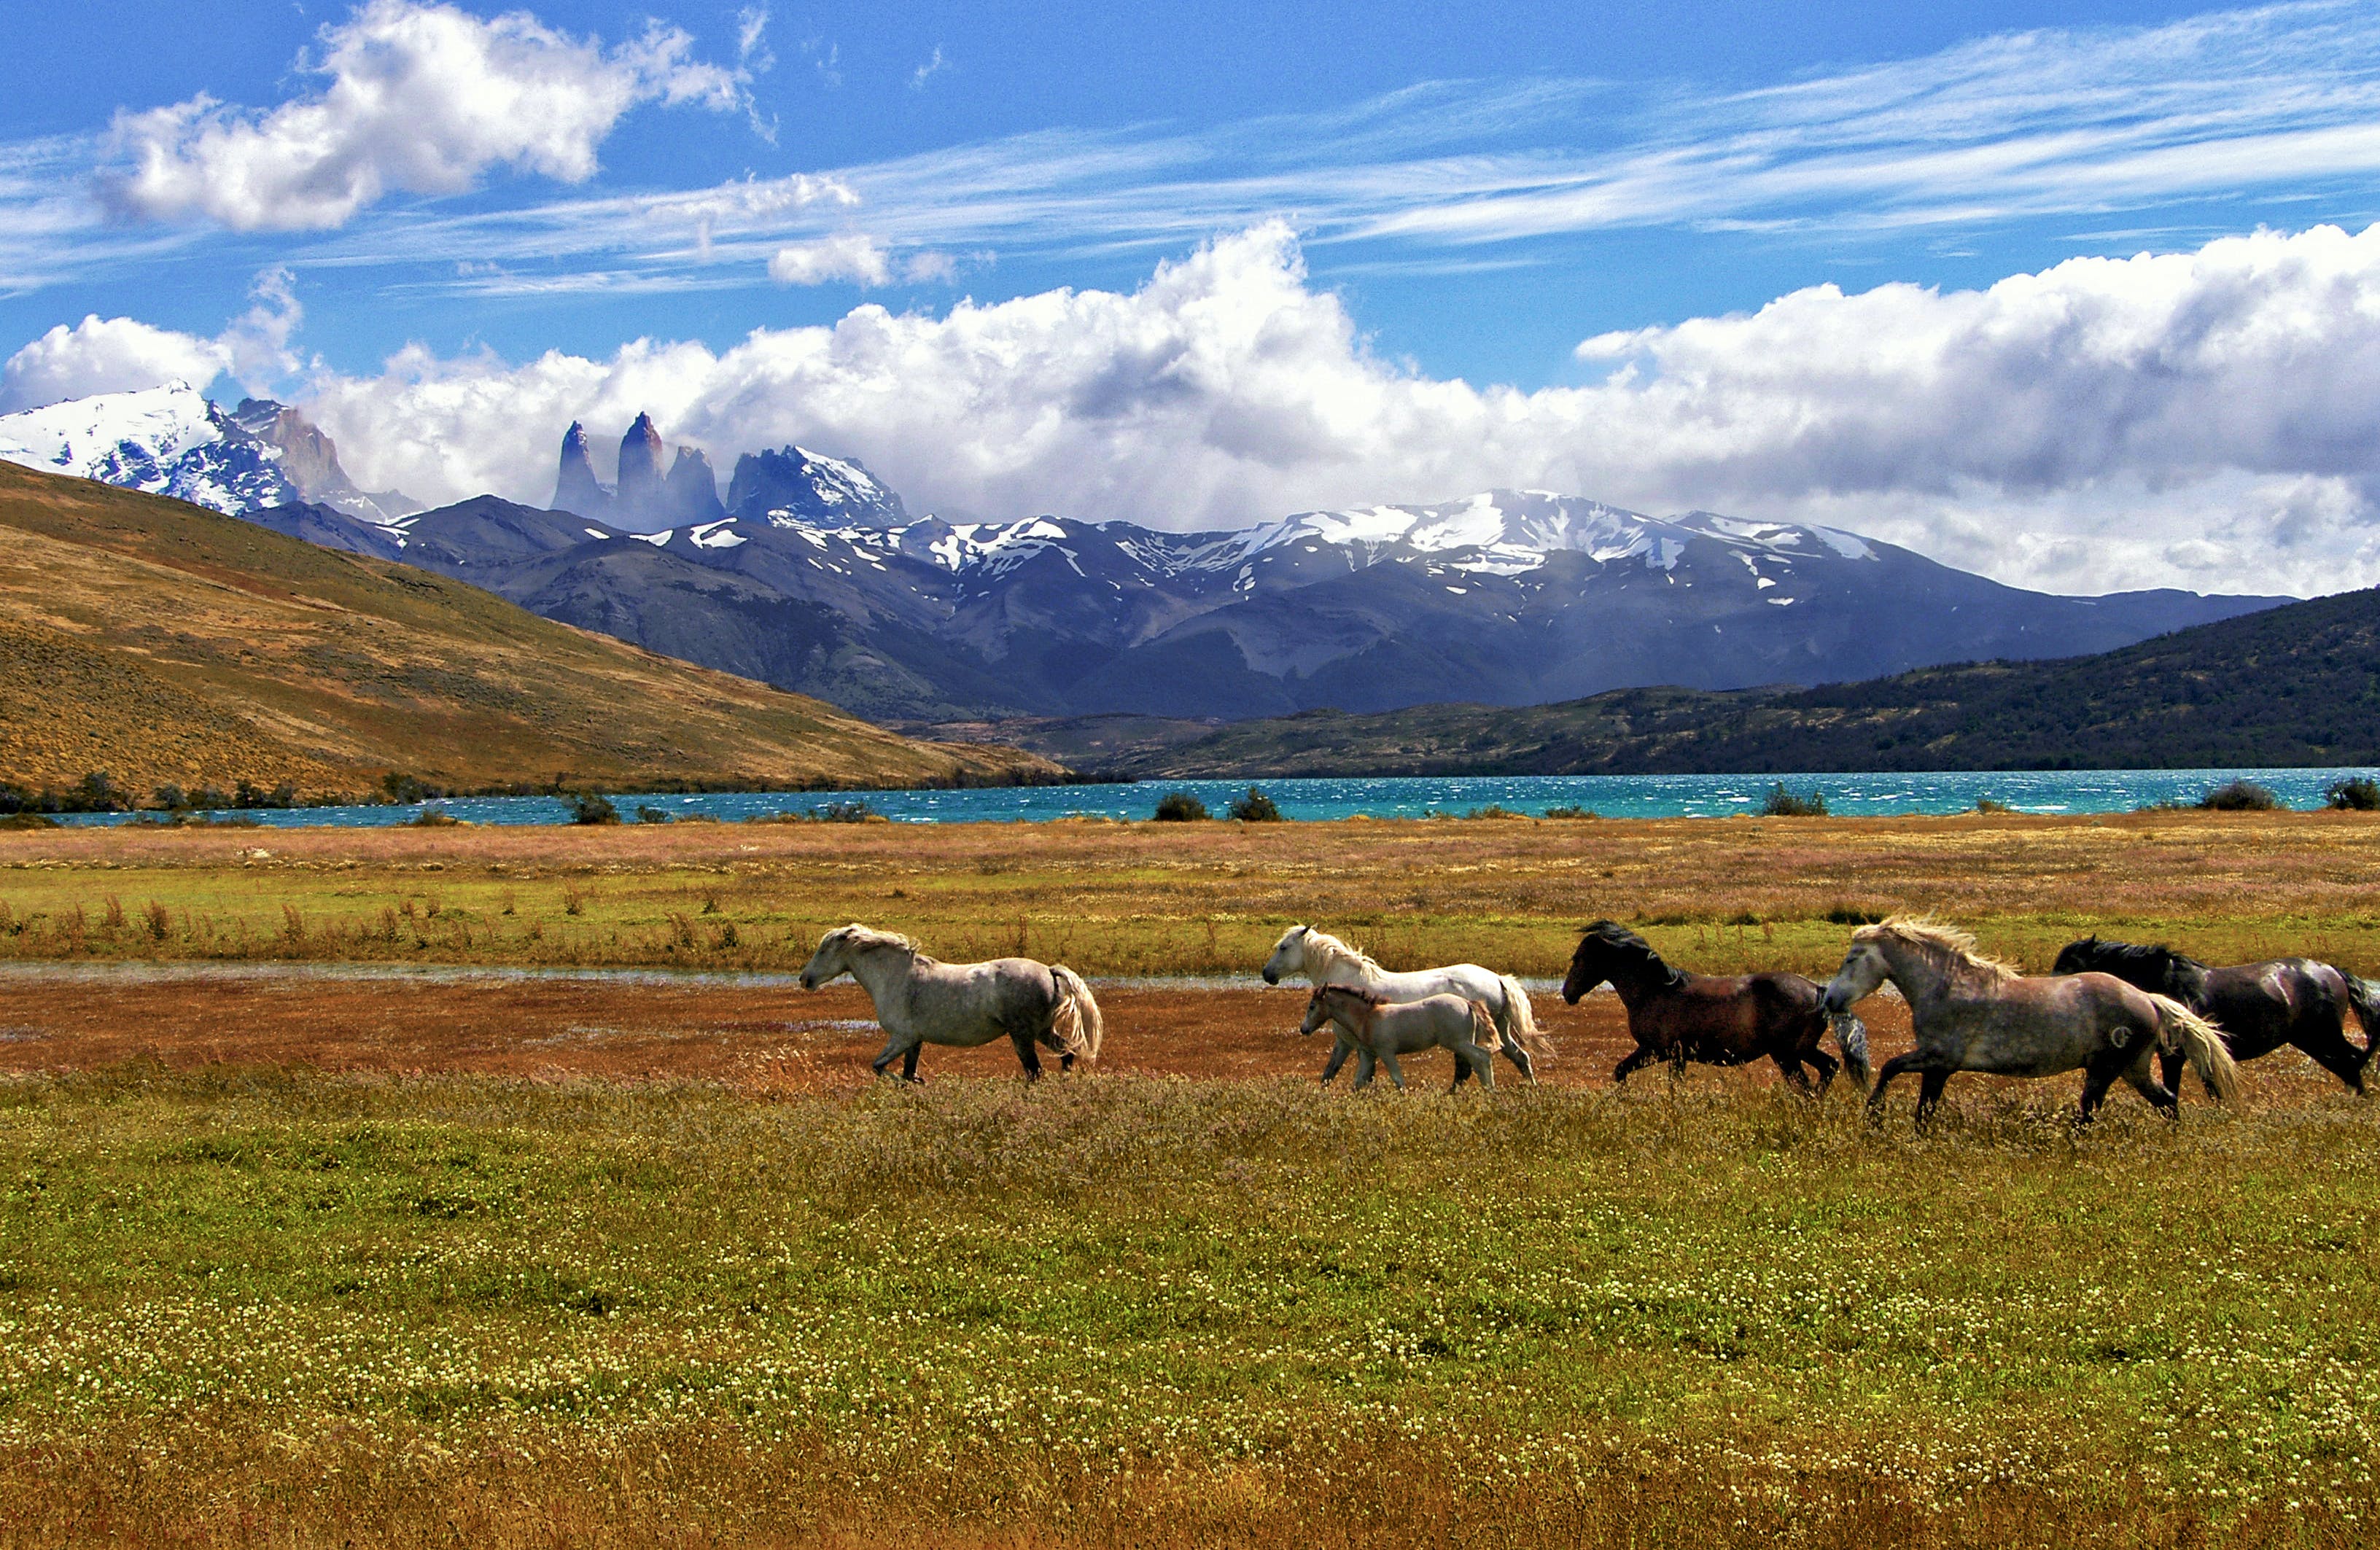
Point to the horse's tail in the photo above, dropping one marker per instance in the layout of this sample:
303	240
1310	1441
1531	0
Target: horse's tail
1484	1032
1076	1024
1850	1038
2180	1028
1520	1023
2364	995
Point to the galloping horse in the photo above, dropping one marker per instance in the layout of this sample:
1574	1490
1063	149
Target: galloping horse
2259	1007
1387	1029
1974	1015
1678	1017
1325	960
920	1001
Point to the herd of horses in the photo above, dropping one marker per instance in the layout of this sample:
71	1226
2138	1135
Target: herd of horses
2110	1009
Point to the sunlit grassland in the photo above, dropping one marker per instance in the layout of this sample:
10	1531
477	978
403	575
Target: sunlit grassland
1151	899
255	1307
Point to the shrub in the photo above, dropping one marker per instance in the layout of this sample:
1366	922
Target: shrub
593	808
1986	805
433	818
1570	812
1784	803
651	814
1180	806
2359	793
1256	807
28	820
844	812
2240	796
1494	810
1851	914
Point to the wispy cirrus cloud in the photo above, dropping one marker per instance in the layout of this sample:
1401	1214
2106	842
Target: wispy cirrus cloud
2083	123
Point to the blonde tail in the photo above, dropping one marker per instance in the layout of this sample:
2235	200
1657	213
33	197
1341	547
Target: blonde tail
2180	1028
1521	1022
1484	1032
1076	1025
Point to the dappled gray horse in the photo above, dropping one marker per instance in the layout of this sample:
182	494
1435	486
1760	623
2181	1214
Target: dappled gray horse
1383	1030
1974	1015
1323	959
921	1002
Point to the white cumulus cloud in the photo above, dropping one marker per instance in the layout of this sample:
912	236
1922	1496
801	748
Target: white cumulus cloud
850	257
2208	419
420	97
121	355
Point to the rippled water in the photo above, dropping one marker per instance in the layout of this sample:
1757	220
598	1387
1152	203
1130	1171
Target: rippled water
1616	796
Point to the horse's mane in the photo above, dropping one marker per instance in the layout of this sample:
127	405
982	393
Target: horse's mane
2182	975
1354	991
1950	947
865	936
1332	948
1618	942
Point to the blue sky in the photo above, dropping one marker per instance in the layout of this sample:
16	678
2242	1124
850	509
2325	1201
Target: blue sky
1421	199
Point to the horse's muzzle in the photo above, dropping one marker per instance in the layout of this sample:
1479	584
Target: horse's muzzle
806	983
1270	977
1826	1003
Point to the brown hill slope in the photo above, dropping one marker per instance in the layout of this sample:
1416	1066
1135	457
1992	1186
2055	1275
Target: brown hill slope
160	642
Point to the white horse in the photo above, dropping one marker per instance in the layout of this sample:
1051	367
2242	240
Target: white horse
1323	959
1384	1030
920	1001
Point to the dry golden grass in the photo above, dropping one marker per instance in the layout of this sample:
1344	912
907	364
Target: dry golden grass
1185	898
158	643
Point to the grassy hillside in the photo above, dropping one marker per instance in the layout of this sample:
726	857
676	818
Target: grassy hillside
2298	684
159	642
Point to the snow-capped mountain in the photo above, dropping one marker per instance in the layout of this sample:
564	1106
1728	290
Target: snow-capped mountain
174	441
812	577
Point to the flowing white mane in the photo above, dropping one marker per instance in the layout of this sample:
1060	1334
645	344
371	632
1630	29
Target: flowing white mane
856	937
1324	950
1947	947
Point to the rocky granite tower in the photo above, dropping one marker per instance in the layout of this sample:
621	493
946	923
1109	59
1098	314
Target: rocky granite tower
574	488
638	497
691	493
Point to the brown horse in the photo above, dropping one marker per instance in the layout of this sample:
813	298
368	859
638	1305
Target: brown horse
2259	1007
1728	1020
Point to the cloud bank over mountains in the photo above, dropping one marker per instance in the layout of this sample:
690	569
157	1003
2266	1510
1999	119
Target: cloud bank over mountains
2207	418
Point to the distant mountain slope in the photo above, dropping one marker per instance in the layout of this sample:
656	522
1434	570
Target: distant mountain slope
159	642
1506	597
2298	684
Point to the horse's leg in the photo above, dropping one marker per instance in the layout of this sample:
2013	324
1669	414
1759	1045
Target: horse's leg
1913	1060
1929	1094
2329	1049
1485	1064
2169	1064
1791	1069
897	1047
1340	1049
1396	1072
1461	1069
1637	1058
1512	1050
2160	1098
1027	1055
1828	1065
1365	1066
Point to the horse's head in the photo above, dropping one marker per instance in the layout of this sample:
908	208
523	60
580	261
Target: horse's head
1335	1003
2077	957
1608	949
1865	967
832	960
842	948
1288	956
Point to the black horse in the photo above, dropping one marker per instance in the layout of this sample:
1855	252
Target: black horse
2259	1006
1679	1017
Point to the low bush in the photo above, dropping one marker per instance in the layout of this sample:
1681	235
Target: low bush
593	808
1180	806
2240	796
1256	807
1986	805
651	814
1573	812
2358	794
1784	803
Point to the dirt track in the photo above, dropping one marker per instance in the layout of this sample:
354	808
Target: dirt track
765	1037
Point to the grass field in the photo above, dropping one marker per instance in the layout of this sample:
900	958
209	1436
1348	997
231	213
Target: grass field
1162	899
256	1302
